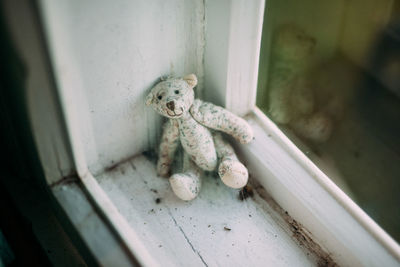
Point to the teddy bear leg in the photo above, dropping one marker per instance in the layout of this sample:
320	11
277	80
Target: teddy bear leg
279	100
316	128
232	172
186	185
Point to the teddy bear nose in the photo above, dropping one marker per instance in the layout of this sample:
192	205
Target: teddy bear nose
171	105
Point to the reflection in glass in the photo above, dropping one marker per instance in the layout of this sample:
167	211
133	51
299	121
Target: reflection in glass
329	76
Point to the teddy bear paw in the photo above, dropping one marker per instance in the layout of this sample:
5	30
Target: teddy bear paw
316	128
233	173
186	186
280	115
245	135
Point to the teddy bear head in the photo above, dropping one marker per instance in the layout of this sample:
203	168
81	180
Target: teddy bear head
173	97
292	43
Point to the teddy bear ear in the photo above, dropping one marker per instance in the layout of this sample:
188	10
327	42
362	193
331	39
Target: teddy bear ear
191	79
149	99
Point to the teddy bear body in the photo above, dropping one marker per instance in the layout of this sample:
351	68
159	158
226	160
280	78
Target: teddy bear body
309	98
198	142
292	96
195	124
289	93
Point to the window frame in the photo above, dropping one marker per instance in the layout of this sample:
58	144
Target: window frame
233	84
238	88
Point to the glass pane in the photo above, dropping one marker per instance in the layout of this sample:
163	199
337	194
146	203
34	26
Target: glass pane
329	77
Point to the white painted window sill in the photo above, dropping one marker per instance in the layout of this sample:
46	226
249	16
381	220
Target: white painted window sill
218	229
215	229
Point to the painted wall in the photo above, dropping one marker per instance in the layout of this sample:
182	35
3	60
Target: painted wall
108	54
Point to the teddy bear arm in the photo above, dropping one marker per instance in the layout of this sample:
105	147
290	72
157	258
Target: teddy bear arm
280	90
302	97
218	118
168	146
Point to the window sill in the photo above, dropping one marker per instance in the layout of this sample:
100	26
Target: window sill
332	227
298	186
216	228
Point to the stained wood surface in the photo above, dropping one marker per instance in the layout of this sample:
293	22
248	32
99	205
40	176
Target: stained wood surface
216	229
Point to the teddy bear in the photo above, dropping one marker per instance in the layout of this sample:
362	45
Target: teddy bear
292	98
195	124
308	95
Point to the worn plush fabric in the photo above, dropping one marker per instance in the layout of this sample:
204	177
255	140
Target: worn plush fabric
193	123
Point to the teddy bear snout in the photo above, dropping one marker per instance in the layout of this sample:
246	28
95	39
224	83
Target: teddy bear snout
171	105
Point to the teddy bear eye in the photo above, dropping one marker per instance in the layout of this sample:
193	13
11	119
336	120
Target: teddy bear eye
159	97
176	92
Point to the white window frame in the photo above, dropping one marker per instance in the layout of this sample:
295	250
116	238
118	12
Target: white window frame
340	226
